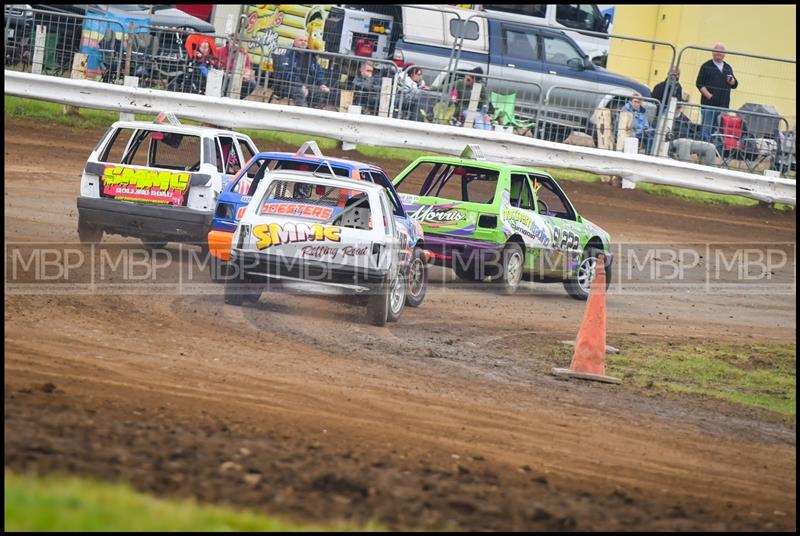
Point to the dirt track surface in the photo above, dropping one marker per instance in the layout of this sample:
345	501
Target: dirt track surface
296	406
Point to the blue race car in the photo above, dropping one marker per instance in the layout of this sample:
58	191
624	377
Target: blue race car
237	193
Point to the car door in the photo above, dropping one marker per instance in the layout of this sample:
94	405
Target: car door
557	213
515	55
520	218
570	82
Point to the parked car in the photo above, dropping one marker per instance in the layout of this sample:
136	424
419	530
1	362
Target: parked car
532	60
236	195
157	181
493	221
295	231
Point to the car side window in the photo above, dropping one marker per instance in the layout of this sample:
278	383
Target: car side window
383	180
559	51
115	148
520	44
551	200
248	152
230	157
579	16
521	192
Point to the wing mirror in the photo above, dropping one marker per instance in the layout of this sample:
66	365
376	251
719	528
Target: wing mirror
578	64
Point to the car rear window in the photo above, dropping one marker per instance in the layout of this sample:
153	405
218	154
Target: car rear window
154	148
309	200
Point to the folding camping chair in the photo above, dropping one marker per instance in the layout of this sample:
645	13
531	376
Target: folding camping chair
728	139
504	107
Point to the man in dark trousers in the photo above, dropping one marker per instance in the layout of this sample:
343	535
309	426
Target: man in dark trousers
715	81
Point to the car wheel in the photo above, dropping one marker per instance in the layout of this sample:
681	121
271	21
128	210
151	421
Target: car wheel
417	279
219	270
579	285
237	292
378	306
512	268
88	234
397	298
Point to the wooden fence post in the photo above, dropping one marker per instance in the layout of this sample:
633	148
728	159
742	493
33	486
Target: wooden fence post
624	128
78	73
38	49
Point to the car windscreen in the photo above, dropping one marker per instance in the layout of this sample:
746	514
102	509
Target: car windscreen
307	199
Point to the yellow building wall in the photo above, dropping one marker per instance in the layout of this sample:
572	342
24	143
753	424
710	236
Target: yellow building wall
767	30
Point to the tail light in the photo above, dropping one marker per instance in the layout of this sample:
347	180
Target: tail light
399	59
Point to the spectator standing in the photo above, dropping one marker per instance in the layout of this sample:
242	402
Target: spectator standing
715	81
227	61
641	125
661	87
463	88
367	88
305	81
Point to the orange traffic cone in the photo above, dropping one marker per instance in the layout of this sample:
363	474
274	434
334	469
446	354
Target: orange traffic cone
589	359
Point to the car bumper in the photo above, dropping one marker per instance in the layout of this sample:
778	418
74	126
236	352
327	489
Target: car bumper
170	223
257	267
219	244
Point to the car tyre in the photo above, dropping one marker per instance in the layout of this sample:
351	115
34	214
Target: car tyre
378	306
397	298
579	285
236	293
417	279
88	234
512	268
220	270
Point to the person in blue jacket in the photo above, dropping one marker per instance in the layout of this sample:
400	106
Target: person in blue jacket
302	78
641	124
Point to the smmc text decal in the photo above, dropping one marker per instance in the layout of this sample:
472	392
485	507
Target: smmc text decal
145	185
276	234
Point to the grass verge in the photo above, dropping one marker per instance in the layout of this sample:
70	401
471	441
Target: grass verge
57	503
51	112
757	376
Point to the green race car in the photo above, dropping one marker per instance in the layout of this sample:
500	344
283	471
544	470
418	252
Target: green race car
497	221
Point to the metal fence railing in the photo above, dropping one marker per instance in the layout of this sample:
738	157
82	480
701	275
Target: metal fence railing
45	42
743	140
561	98
600	118
317	79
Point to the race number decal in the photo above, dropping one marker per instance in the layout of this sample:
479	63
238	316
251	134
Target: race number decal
565	239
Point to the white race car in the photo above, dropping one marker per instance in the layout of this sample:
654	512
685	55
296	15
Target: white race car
321	232
157	181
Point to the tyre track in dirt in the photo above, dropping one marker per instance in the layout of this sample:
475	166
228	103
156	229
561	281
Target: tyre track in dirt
163	389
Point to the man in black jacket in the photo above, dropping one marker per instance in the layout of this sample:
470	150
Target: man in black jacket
677	90
715	81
